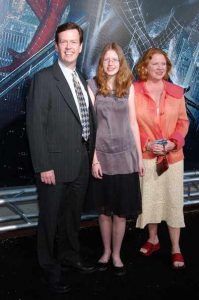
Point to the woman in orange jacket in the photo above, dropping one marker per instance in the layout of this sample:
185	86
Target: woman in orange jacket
163	125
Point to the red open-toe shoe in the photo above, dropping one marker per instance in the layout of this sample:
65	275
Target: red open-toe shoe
177	257
150	248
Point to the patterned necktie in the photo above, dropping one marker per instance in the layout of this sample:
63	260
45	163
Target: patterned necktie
82	106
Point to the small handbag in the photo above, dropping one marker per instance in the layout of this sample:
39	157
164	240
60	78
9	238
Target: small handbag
161	165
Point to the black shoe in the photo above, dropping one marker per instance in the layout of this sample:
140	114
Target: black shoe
79	266
60	288
101	266
119	271
56	287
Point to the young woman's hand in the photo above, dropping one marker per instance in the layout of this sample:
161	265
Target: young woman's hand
97	170
141	168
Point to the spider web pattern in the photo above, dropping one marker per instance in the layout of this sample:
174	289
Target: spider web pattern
131	16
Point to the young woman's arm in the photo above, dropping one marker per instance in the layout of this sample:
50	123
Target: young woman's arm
96	167
135	128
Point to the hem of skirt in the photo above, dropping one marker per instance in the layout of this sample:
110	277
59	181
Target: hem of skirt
114	173
142	226
133	215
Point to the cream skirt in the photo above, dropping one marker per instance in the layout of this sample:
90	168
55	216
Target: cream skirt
162	196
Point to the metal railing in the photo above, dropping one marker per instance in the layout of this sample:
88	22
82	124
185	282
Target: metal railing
19	207
191	188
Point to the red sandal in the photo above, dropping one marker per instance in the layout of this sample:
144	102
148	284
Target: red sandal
150	248
177	257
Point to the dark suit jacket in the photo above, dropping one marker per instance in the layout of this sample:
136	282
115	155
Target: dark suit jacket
53	125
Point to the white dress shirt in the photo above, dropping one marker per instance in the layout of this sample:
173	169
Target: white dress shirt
68	75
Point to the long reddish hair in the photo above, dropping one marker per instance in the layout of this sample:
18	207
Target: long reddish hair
144	60
123	78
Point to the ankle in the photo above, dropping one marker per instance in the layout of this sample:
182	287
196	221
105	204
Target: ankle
117	262
154	240
175	249
105	257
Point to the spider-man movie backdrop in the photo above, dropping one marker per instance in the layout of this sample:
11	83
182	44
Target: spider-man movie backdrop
27	30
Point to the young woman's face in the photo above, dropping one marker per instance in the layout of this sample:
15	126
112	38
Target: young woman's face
157	67
111	63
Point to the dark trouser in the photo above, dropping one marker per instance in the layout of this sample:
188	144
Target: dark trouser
59	219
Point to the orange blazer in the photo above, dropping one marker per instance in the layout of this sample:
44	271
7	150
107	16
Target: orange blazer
171	123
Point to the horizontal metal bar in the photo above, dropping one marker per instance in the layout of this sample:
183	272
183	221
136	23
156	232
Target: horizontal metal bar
192	194
20	199
86	217
33	199
18	190
191	173
189	180
17	217
191	202
17	226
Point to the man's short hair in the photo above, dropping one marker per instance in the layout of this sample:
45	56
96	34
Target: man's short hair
68	26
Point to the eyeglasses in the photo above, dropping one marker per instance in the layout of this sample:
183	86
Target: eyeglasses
113	60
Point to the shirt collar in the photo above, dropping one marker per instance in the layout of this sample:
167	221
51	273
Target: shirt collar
169	88
63	67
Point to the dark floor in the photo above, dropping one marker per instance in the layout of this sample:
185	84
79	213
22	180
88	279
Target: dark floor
147	278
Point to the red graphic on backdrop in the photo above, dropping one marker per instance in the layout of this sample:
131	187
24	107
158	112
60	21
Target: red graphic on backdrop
49	14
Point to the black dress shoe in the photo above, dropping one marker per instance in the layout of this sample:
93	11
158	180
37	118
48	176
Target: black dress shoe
56	286
79	266
60	288
119	271
101	266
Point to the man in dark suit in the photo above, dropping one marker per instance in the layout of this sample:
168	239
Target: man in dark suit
61	136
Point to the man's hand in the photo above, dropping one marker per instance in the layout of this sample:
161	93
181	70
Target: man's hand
48	177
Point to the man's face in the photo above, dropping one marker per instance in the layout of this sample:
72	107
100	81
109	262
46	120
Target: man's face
69	47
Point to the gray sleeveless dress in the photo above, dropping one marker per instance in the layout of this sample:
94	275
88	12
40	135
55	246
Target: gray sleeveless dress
119	191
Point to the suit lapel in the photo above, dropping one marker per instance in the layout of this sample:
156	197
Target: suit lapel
65	90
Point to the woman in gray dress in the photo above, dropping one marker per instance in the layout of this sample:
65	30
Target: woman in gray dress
117	160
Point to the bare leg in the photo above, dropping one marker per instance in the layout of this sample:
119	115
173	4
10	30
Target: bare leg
105	224
174	234
153	235
119	225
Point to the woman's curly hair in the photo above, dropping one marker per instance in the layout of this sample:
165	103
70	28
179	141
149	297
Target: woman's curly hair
144	60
